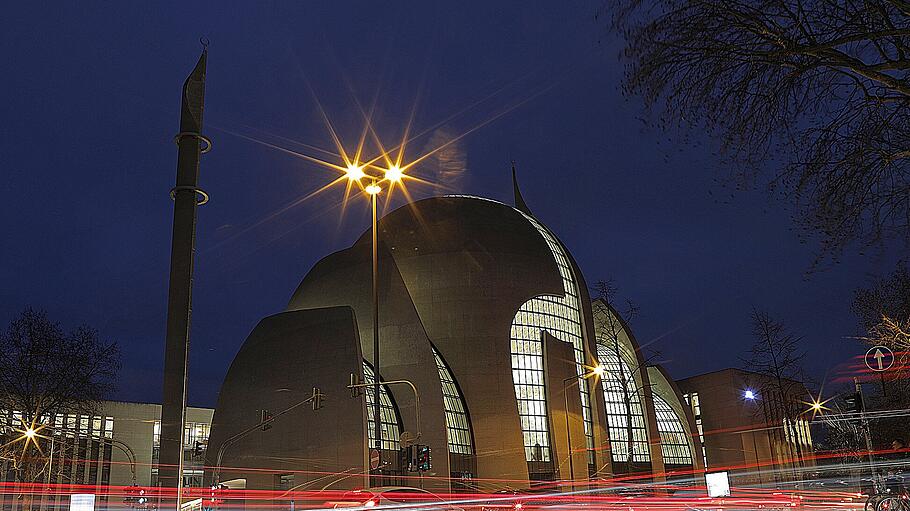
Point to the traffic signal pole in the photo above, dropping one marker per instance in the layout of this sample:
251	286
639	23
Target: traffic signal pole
316	399
354	386
866	433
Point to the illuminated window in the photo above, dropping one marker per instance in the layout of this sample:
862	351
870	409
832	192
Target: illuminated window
693	401
561	317
674	442
620	415
458	429
388	415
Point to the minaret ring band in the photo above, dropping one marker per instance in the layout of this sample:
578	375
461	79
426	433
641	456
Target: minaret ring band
204	197
208	142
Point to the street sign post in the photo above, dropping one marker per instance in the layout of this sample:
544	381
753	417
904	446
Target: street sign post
879	358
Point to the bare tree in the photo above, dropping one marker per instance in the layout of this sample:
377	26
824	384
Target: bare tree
811	96
46	373
611	326
883	311
777	356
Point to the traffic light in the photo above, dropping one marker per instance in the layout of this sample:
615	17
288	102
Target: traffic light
854	402
318	396
265	417
423	461
356	389
406	458
198	448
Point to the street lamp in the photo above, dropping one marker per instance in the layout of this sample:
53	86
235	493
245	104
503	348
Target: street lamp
597	371
749	395
371	176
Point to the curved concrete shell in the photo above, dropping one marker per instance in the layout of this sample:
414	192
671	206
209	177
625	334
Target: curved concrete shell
484	310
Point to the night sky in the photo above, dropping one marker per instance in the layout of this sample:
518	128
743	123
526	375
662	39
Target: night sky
90	105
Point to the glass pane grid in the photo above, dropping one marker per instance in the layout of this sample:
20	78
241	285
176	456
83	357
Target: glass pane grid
458	429
619	414
675	444
388	415
560	316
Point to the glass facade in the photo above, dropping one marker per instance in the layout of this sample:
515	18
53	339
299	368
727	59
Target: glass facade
561	317
195	441
693	401
78	446
675	444
390	422
458	427
617	378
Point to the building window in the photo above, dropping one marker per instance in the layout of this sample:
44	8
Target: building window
458	428
389	422
693	401
617	379
561	317
674	442
195	440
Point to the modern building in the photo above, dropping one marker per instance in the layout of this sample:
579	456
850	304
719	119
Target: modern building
486	313
118	447
750	425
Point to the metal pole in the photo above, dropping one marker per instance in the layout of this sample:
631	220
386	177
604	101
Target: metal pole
377	423
216	479
866	433
187	196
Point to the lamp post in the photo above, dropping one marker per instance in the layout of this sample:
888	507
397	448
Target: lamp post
594	371
750	396
392	174
373	190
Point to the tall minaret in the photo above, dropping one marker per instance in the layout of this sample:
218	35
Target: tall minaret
191	144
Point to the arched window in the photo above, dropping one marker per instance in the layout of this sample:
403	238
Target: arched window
675	444
561	317
390	422
618	378
458	428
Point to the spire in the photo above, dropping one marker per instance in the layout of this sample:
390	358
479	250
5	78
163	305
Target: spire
520	204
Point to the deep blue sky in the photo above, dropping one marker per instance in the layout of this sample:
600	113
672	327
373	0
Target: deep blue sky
90	105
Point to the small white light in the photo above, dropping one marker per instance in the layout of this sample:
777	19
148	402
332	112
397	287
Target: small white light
749	395
373	189
393	173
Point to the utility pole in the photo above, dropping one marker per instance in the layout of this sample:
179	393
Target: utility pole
187	195
866	433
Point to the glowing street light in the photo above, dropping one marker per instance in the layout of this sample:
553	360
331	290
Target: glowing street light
30	433
749	394
817	405
355	172
393	173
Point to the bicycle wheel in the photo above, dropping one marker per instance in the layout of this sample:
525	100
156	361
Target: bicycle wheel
889	504
872	502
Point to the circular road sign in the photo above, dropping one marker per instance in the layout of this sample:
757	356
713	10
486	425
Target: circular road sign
879	358
374	459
